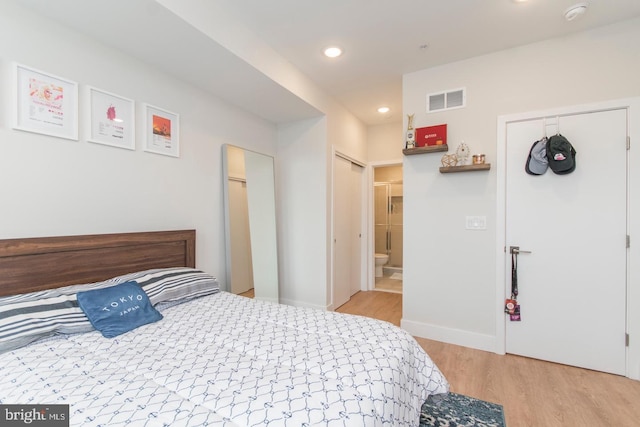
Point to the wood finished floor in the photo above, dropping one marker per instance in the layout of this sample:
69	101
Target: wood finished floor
533	393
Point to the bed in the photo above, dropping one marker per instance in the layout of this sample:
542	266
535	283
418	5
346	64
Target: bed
210	358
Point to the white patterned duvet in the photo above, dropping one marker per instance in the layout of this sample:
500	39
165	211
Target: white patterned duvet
233	361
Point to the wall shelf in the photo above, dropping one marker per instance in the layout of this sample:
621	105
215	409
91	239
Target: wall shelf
425	149
465	168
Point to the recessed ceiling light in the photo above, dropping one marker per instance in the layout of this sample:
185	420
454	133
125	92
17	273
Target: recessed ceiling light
333	52
383	110
574	11
519	1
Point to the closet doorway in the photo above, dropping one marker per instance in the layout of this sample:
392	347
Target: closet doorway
388	227
347	220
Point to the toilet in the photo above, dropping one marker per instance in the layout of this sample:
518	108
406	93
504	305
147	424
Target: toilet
381	259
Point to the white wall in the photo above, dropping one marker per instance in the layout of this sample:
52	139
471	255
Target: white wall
450	273
53	186
301	175
303	160
385	142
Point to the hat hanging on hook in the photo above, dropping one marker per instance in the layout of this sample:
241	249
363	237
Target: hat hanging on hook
561	155
537	162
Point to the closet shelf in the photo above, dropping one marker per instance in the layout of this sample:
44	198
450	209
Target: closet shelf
425	149
465	168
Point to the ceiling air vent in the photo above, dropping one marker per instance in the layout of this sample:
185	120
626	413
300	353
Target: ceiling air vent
446	100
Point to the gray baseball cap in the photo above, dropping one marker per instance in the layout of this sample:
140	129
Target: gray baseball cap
537	162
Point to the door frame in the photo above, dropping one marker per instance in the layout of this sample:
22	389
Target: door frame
371	230
632	105
363	215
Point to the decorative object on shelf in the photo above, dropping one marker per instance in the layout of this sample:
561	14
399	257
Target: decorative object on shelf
478	159
449	160
411	135
431	135
462	152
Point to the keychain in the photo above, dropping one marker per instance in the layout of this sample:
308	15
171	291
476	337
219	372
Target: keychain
510	306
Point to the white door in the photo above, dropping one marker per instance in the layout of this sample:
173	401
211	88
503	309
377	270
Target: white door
357	266
347	213
572	286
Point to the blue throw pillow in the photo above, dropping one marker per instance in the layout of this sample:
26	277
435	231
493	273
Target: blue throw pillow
118	309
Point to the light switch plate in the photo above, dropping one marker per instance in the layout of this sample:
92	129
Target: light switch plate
476	222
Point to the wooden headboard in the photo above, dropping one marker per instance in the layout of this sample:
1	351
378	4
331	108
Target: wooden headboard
33	264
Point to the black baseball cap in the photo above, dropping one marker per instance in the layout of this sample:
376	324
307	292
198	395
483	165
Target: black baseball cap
561	155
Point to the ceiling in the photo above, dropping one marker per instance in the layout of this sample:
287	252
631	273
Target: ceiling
381	39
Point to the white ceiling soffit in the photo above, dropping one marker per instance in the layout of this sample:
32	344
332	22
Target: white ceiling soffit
381	39
146	30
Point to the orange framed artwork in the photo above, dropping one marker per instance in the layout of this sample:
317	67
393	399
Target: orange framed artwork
162	130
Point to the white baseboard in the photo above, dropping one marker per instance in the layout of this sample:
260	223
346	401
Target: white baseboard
633	370
301	304
449	335
267	299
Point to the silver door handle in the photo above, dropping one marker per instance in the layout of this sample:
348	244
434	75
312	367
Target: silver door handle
516	250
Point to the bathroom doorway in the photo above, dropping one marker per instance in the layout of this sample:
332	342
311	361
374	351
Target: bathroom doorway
388	228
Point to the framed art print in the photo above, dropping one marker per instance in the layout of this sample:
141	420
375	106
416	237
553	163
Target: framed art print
431	135
111	119
45	103
162	130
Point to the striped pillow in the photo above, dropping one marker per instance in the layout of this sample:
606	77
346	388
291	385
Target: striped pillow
24	322
177	285
26	318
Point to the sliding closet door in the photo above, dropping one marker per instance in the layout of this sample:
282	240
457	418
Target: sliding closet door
347	229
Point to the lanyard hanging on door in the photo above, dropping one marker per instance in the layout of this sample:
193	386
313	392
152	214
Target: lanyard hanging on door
511	306
514	276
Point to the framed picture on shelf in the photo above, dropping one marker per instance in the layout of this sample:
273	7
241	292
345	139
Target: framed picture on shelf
111	119
431	135
45	103
162	131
